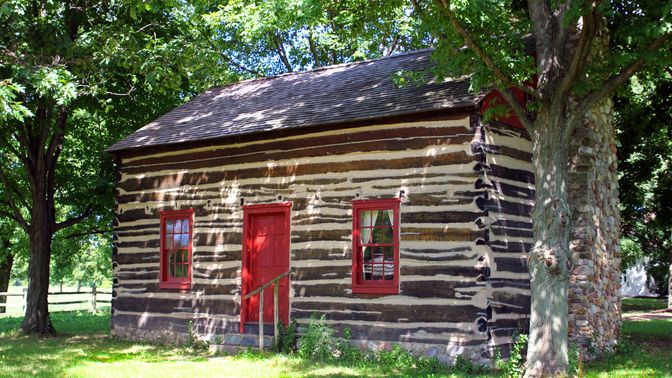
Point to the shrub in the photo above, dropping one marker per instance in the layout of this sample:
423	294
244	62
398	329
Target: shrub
288	337
317	343
514	367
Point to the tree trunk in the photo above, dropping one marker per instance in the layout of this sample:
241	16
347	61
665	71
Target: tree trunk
37	319
5	271
549	259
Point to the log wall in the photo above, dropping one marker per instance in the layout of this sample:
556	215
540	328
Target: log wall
466	191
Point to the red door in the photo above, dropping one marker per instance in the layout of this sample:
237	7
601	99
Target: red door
266	256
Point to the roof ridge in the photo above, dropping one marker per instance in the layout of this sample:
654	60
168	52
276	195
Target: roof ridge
319	69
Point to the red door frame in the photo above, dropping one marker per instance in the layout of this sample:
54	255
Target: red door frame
249	211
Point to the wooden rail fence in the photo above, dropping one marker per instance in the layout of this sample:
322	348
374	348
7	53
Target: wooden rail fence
93	300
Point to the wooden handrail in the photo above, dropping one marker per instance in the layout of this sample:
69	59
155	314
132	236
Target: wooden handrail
260	291
267	284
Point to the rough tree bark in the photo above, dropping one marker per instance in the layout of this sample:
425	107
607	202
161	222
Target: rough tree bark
549	261
36	318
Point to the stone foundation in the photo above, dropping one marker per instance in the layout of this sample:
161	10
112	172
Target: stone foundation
594	292
164	337
445	353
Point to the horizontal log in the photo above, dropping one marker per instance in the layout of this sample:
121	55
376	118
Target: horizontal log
511	264
440	234
201	178
511	232
524	156
504	207
216	274
439	217
390	312
346	146
165	305
510	246
307	144
321	235
136	258
438	289
150	322
321	254
496	170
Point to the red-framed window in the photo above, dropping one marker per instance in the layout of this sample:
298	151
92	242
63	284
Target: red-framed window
177	228
375	246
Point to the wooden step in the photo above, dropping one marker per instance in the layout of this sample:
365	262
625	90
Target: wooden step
234	343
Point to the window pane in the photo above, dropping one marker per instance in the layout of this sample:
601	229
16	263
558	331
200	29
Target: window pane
177	229
185	240
389	271
185	226
169	226
185	256
365	218
366	263
378	263
375	239
185	268
169	241
178	270
376	219
389	217
171	265
389	262
387	234
176	241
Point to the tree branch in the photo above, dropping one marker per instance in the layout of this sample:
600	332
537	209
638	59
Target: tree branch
8	214
393	46
94	231
472	44
11	148
280	49
615	81
582	51
242	67
313	50
74	220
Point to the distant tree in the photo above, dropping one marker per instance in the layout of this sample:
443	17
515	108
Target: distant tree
277	36
644	123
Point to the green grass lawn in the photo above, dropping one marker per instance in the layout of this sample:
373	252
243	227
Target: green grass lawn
642	304
83	349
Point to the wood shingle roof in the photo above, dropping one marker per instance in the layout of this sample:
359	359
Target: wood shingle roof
349	92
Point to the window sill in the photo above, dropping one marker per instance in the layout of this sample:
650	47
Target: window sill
175	285
375	290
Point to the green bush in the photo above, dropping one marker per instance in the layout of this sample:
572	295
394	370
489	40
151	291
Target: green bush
514	367
317	343
288	337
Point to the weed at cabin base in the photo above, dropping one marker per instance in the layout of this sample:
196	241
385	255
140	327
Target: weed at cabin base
514	367
318	344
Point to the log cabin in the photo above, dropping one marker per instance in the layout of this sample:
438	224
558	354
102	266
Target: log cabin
397	211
